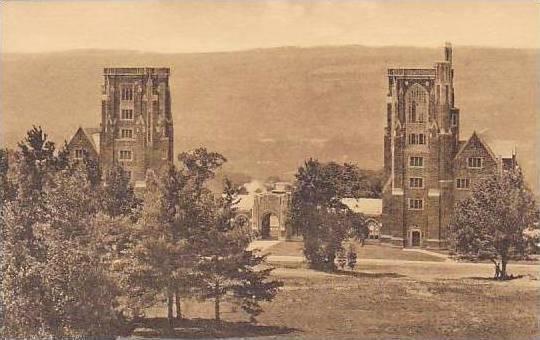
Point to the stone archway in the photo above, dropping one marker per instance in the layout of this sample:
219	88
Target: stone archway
269	214
270	226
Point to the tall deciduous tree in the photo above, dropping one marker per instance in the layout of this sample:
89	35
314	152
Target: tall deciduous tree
489	224
318	213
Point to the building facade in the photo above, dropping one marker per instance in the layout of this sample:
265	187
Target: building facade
136	122
426	165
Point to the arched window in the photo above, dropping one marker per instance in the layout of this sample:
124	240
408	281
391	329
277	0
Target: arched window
416	101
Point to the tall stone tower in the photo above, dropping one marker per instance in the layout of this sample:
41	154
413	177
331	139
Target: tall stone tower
136	121
420	141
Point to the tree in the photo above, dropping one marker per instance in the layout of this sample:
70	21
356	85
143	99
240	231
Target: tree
159	258
118	197
55	285
489	224
227	270
318	213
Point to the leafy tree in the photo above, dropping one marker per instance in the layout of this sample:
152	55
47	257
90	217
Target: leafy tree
489	224
318	213
54	284
7	187
118	197
227	270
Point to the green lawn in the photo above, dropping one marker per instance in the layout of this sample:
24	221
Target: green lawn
368	251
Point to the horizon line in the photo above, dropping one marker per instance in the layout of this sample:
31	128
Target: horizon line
142	51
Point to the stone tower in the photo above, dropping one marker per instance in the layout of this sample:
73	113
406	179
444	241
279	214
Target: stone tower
420	141
136	121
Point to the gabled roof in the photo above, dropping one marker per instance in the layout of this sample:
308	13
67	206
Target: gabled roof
91	134
475	136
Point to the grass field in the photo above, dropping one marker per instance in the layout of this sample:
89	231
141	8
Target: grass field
368	251
401	300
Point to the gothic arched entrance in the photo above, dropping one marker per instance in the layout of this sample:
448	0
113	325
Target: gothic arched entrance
270	226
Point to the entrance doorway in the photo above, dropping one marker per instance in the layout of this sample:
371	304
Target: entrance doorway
270	226
415	238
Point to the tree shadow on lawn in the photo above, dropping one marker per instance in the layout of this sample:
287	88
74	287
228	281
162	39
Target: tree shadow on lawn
205	328
492	279
365	275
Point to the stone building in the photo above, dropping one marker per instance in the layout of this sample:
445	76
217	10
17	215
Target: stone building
136	128
270	212
428	168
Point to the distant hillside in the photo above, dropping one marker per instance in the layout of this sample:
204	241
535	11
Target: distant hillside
267	110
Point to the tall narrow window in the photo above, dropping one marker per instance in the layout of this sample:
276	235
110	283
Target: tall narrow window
416	204
416	182
127	93
416	103
79	154
126	114
416	162
412	112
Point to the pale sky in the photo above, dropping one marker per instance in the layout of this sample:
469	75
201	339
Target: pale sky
204	26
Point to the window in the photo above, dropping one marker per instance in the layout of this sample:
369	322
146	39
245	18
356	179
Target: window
416	102
416	182
412	112
416	204
125	155
454	120
126	133
127	93
475	162
79	154
419	138
127	114
463	183
416	162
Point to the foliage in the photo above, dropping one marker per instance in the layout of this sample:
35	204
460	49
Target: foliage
226	268
351	257
54	284
118	197
341	259
490	223
318	213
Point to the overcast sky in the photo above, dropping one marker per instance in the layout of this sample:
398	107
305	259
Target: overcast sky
201	26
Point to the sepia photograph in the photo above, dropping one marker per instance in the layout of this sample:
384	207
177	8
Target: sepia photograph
269	169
